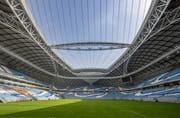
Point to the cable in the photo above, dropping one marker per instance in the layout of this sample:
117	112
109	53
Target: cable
124	26
110	52
51	18
83	24
120	23
63	19
87	8
139	3
113	23
144	9
106	20
117	33
78	37
58	16
129	29
38	11
94	15
47	21
103	59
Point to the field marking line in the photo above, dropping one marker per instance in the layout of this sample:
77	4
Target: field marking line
139	114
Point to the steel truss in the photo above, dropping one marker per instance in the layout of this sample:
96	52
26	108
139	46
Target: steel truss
12	22
157	10
20	13
90	46
168	19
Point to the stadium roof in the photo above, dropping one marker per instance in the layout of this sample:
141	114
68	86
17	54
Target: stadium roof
77	21
24	49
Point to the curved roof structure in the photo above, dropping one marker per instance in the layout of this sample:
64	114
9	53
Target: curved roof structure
76	21
25	40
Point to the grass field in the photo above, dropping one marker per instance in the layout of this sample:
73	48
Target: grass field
76	108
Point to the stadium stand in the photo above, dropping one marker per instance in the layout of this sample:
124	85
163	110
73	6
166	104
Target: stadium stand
16	87
14	94
155	89
162	94
41	94
7	94
169	76
158	88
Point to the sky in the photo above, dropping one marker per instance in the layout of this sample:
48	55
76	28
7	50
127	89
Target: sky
73	21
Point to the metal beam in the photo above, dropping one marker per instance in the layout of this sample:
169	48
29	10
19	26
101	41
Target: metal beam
90	46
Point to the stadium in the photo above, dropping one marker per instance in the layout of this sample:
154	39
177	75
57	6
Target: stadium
89	58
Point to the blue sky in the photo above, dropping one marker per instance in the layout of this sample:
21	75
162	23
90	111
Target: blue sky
67	21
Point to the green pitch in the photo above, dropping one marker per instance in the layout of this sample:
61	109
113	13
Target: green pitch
76	108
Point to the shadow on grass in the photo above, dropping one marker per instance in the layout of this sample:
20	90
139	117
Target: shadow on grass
81	109
84	109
